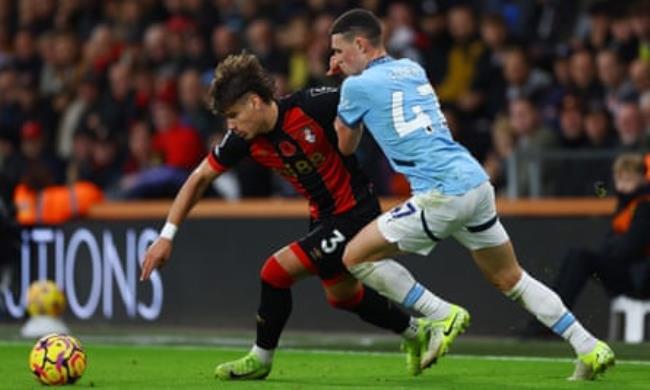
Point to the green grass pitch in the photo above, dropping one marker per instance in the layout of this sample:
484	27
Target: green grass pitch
185	367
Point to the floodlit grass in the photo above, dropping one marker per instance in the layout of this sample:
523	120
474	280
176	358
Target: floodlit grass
191	367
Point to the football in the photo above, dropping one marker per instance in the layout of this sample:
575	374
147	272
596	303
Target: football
45	298
57	359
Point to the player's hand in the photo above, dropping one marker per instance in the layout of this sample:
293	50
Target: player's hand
334	69
157	255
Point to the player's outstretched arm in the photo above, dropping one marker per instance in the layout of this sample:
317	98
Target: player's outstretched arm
349	138
190	193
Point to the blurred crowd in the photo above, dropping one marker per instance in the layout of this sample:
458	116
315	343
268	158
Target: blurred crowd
113	91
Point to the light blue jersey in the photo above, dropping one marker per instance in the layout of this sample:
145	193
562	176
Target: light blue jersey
395	101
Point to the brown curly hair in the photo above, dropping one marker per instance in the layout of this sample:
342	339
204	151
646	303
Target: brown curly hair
236	76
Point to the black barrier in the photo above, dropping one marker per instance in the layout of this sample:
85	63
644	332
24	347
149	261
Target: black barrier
212	279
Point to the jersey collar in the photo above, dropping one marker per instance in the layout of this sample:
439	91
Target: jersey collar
379	60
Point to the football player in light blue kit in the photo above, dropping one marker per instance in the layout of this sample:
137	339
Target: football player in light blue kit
452	195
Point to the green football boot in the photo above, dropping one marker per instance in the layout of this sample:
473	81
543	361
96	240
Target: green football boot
246	368
594	363
415	347
443	334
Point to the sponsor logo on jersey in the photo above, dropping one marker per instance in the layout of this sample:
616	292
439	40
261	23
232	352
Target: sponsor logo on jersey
309	135
322	90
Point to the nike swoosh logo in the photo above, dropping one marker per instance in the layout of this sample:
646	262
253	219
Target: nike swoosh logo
238	376
447	331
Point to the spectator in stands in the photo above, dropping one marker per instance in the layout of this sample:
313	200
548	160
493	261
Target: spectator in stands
194	113
101	50
179	145
143	173
462	56
40	167
598	129
599	23
295	39
622	263
61	69
155	55
584	83
141	154
9	112
195	52
106	159
522	80
640	75
79	166
224	41
318	53
629	126
260	38
613	76
488	83
524	135
401	36
26	60
129	24
624	41
72	118
571	132
640	18
117	106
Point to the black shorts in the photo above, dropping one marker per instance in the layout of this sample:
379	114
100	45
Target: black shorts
323	246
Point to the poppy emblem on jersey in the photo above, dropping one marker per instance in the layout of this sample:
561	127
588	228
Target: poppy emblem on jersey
287	148
309	135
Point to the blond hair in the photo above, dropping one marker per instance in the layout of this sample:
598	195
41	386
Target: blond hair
630	162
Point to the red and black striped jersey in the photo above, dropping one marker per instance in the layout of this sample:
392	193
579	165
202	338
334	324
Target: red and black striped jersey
303	149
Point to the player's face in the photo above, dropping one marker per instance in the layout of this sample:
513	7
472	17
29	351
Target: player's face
627	182
245	117
348	55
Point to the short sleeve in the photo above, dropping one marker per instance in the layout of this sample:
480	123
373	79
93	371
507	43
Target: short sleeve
228	153
353	104
321	103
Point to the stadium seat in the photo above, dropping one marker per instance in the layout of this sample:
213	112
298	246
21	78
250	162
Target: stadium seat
634	312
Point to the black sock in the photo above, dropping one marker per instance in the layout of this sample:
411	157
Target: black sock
381	312
272	315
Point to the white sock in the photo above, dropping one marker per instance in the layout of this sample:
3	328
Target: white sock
392	280
411	331
548	308
265	355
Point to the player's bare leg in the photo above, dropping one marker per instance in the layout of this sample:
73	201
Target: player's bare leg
500	267
362	258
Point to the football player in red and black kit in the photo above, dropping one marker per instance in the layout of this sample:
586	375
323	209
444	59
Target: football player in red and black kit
295	137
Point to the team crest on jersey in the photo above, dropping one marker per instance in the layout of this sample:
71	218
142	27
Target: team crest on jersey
287	148
309	135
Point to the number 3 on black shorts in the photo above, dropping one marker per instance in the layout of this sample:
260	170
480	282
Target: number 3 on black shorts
329	245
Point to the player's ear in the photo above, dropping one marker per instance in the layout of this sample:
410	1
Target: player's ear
358	42
255	101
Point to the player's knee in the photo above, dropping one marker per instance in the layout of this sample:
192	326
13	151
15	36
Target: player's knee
346	301
274	274
349	259
506	279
